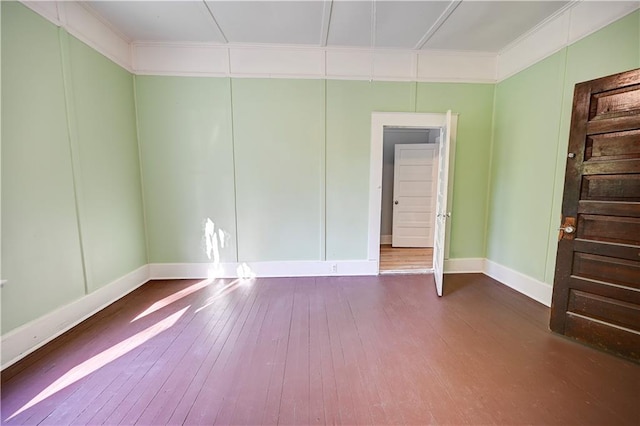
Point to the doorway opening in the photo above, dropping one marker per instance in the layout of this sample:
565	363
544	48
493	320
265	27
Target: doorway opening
414	128
409	174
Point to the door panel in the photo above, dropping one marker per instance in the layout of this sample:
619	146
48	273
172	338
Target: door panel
416	218
413	186
596	294
415	189
441	204
613	101
617	250
615	339
421	172
618	271
414	154
414	232
612	208
605	289
618	187
613	146
604	308
612	229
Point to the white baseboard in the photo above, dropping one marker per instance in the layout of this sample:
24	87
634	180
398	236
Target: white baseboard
464	266
537	290
176	271
20	342
385	239
166	271
263	269
530	287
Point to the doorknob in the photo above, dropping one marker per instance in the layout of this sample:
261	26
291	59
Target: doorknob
395	202
567	229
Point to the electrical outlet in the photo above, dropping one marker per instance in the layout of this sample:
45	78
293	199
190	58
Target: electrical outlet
334	268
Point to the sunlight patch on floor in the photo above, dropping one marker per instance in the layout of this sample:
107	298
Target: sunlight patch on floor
100	360
173	298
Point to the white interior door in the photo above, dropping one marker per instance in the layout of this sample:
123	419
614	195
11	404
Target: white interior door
413	195
442	214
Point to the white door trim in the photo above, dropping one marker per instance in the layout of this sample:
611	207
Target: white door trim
380	120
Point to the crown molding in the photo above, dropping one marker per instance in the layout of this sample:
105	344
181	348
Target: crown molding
84	25
570	24
264	61
47	9
202	59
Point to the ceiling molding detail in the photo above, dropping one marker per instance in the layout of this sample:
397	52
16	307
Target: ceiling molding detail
441	20
576	21
569	25
201	59
326	21
81	23
215	22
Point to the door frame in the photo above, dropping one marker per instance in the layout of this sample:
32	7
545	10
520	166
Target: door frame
380	120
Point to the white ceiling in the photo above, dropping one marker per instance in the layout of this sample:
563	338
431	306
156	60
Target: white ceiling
468	25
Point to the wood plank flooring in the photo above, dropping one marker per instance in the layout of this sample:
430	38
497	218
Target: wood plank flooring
333	350
405	258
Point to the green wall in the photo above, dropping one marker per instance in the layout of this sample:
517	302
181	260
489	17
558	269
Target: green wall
473	103
184	126
298	156
41	257
531	131
71	206
279	151
349	105
107	165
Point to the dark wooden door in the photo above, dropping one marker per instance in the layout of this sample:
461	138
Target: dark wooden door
596	293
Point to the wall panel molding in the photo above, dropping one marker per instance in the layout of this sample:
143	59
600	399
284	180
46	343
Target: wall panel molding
569	25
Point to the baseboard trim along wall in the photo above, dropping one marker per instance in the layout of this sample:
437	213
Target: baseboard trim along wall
25	339
530	287
537	290
301	268
385	239
464	266
167	271
22	341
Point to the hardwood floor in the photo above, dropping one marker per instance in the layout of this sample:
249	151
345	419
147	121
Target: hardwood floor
333	350
405	258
